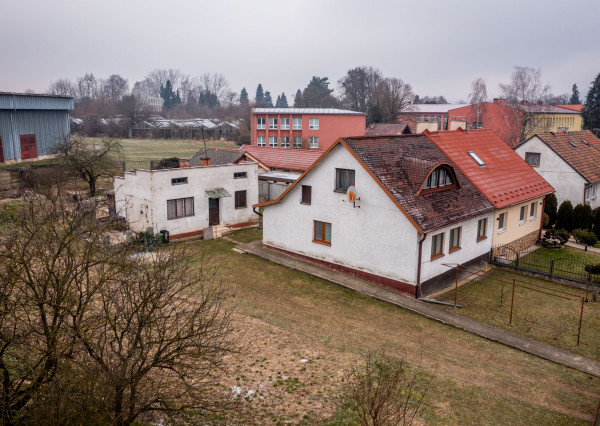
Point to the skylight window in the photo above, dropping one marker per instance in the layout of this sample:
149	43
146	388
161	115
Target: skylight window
575	146
476	158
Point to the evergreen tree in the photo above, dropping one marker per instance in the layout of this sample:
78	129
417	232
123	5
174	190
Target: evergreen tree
260	95
244	96
596	220
591	109
283	101
318	94
278	102
550	209
298	98
417	99
201	99
267	100
575	99
582	217
565	216
170	98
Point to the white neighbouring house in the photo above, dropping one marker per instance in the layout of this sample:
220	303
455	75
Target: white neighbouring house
184	201
416	214
569	161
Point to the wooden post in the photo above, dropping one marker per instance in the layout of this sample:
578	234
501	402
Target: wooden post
512	302
580	320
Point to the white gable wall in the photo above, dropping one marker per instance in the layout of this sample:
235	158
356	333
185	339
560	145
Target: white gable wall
569	184
376	238
141	197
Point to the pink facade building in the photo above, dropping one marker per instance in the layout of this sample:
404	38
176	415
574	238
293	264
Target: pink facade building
304	128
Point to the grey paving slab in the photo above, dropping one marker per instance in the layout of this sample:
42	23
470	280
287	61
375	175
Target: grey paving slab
443	316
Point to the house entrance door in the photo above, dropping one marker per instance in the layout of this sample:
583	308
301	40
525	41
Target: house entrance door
213	211
28	146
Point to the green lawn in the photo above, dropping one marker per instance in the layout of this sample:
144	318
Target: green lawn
536	314
472	380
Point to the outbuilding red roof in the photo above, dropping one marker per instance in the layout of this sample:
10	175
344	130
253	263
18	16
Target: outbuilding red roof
581	150
283	158
387	129
505	179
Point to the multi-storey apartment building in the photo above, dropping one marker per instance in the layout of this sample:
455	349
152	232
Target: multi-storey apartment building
304	128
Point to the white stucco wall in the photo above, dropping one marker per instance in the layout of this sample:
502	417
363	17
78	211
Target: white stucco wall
141	197
470	247
375	238
569	184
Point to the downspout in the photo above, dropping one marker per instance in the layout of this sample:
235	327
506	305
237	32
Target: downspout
418	289
258	213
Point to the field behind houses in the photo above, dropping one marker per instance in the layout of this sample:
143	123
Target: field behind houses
302	332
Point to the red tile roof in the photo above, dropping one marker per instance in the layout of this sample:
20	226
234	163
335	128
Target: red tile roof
581	150
506	179
385	129
572	107
283	158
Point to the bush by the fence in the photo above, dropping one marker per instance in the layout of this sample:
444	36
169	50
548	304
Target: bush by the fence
596	221
584	236
582	217
550	209
565	216
563	235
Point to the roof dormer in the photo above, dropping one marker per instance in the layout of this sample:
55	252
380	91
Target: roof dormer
440	178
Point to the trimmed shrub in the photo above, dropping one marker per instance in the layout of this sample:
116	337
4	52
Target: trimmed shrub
565	216
546	221
582	217
550	209
563	235
596	221
583	236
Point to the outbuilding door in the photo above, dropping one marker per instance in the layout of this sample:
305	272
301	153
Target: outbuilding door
213	211
28	146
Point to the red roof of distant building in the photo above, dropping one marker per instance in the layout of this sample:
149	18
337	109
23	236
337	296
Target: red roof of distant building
505	179
283	158
387	129
572	107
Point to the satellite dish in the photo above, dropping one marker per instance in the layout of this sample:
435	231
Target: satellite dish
352	194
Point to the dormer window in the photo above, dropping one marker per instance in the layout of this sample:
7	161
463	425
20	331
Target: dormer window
438	178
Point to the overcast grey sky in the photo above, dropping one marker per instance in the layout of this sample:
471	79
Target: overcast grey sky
438	47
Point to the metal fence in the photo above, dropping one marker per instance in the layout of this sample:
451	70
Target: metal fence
568	268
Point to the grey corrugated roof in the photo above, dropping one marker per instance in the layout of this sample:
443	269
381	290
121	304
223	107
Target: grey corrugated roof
279	176
305	111
35	102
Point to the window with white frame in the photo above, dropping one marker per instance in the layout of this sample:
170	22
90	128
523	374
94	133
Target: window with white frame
297	124
439	177
502	222
297	142
261	123
272	141
285	124
261	140
313	124
285	141
313	142
590	193
272	124
532	210
522	214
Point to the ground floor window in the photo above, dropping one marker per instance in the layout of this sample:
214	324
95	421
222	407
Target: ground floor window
437	245
261	140
322	232
297	142
180	207
313	142
481	228
454	239
285	141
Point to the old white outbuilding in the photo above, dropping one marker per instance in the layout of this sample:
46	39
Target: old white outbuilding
184	201
415	214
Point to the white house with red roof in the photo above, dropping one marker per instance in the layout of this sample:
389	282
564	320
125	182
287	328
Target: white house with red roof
415	215
504	178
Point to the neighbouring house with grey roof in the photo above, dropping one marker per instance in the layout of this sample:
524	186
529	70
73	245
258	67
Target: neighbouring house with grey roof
31	125
215	156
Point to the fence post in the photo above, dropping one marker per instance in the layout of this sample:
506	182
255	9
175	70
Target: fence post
512	302
580	320
551	266
517	261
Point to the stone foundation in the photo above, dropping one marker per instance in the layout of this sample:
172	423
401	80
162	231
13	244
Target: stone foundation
525	242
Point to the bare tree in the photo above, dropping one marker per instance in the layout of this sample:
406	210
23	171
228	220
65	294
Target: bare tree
134	109
115	87
478	96
393	95
87	87
525	86
90	160
158	78
381	392
216	84
359	88
62	87
158	336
